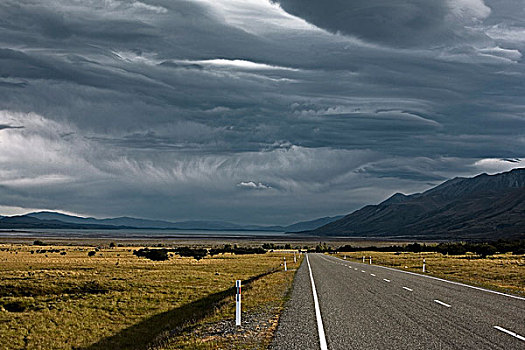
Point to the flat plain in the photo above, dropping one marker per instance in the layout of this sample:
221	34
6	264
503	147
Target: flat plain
57	297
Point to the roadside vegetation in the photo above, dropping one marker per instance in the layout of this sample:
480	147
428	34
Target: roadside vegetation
81	297
161	254
482	249
495	265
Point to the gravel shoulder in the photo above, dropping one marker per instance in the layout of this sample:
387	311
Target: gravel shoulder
297	325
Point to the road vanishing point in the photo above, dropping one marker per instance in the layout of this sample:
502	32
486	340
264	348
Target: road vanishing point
335	305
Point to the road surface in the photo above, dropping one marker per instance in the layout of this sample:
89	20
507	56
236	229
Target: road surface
363	306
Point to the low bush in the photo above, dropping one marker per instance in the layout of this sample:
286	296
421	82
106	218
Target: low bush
196	253
483	249
152	254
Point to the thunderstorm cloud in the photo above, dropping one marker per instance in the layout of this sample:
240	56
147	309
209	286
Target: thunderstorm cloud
253	111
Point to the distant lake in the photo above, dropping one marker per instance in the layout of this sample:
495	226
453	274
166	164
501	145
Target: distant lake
136	233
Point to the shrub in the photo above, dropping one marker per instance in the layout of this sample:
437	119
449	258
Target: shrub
414	248
485	250
451	248
16	306
91	253
152	254
196	253
267	246
240	250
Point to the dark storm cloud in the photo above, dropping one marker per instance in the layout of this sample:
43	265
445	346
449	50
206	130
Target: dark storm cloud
399	23
170	109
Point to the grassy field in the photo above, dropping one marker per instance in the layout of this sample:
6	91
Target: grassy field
63	299
502	272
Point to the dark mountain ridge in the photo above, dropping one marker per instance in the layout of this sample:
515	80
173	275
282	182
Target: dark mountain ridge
482	207
54	220
119	221
28	222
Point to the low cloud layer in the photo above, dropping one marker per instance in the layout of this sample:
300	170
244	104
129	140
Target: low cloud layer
253	111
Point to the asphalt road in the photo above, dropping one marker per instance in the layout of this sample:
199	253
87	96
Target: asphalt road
362	306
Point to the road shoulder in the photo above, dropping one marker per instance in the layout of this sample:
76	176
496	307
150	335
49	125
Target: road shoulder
297	325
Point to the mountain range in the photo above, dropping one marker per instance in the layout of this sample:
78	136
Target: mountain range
54	220
482	207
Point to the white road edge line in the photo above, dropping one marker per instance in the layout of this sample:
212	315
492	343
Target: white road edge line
510	332
451	282
384	279
410	290
441	303
320	328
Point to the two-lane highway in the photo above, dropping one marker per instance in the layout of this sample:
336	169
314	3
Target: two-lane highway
372	307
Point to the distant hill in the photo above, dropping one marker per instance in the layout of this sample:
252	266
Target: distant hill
27	222
310	225
482	207
130	222
120	221
50	220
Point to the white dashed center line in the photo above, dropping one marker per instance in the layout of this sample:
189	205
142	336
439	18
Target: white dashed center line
441	303
410	290
510	332
372	275
363	271
384	279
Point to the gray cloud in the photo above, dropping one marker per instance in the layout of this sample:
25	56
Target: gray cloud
5	126
164	109
400	23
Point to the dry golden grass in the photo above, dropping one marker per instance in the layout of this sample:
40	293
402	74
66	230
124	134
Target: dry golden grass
503	272
113	299
262	304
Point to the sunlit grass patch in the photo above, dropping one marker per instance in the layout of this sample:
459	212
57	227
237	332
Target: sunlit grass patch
52	300
262	300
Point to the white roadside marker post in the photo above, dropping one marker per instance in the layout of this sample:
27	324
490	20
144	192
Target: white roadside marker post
238	303
294	258
285	269
370	260
344	258
424	265
363	259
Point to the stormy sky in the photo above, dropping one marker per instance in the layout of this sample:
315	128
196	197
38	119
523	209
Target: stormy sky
253	111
